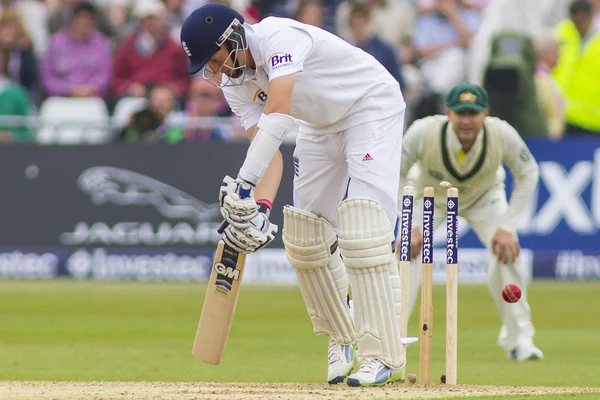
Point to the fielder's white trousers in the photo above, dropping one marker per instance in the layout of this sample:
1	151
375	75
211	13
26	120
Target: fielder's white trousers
362	161
484	217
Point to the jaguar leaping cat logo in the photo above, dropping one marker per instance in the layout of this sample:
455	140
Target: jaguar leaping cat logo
125	188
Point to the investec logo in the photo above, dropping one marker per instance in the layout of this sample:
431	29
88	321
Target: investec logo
568	194
405	230
451	236
427	231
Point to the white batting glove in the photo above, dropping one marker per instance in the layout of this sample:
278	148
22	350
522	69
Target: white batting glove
259	234
237	207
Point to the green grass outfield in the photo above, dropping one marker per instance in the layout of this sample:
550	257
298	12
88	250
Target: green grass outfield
90	331
577	396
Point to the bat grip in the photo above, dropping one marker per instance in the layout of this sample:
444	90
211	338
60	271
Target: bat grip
245	190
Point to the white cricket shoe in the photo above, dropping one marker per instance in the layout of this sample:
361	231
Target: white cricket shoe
341	361
525	351
373	372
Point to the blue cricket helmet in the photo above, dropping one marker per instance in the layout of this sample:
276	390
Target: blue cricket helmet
205	30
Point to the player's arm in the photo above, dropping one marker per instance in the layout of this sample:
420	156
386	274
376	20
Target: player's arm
287	50
268	186
525	170
281	89
262	168
264	159
247	212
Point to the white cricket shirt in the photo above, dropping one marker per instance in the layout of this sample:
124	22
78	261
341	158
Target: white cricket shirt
338	86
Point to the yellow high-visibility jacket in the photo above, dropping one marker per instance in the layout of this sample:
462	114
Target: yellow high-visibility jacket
577	74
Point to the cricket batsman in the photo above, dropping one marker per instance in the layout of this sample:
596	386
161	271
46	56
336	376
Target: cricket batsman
350	112
466	147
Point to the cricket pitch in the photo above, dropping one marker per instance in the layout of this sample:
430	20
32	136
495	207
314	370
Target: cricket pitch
248	391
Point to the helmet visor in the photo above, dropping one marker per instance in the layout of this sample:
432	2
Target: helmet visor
230	72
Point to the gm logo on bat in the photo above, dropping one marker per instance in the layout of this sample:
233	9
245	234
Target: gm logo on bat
226	271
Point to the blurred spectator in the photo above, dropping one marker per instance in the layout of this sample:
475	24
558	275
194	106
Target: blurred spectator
121	14
480	5
14	101
118	16
577	69
78	60
365	38
597	12
207	100
516	16
442	35
288	9
247	8
393	20
149	56
310	12
15	42
159	122
427	6
175	17
509	79
61	17
549	95
34	15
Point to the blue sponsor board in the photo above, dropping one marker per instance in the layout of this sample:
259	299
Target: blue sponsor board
106	264
115	213
567	265
564	213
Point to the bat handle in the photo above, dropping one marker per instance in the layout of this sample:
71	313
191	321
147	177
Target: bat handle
245	190
222	227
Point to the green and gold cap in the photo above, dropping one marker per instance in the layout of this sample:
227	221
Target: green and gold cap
467	96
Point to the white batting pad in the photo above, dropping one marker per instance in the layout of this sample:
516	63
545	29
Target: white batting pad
311	248
397	288
366	240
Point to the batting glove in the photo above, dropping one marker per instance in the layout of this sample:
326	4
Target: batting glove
238	207
259	234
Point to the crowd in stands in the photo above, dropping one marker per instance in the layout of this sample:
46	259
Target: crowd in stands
539	60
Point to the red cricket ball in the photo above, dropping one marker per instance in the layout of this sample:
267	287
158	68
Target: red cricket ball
511	293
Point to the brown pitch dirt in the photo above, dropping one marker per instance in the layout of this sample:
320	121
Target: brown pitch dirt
254	391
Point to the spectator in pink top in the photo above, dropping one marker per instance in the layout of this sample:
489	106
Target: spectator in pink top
78	62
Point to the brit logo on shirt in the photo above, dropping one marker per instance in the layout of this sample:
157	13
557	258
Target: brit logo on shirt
280	60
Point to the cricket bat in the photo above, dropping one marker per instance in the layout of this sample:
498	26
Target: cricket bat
219	304
221	298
